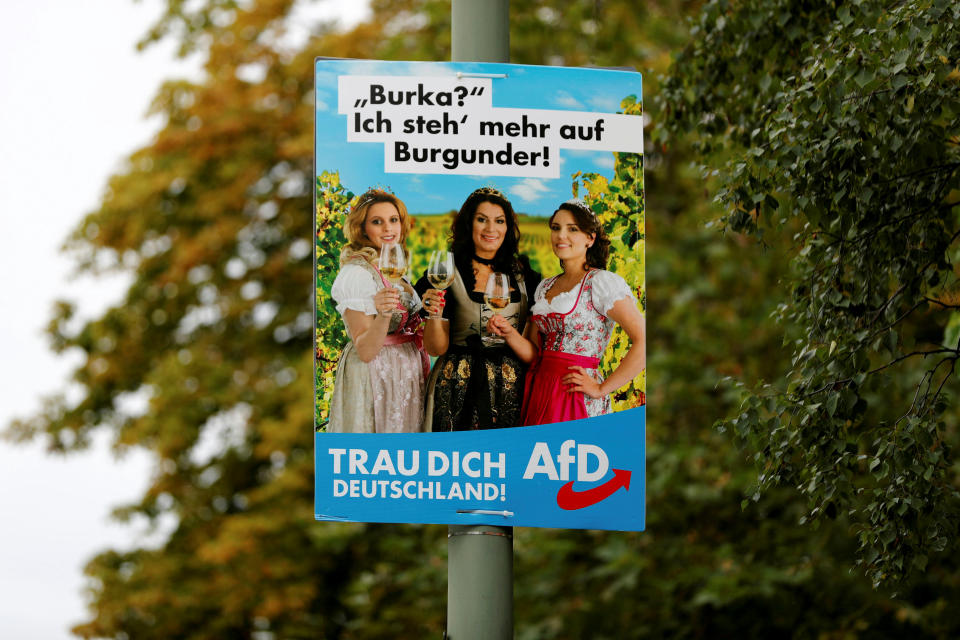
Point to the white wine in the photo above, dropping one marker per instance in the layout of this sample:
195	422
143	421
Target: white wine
393	262
497	303
440	281
497	296
440	273
393	273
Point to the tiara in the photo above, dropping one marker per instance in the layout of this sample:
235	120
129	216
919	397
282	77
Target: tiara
371	195
488	191
580	204
363	201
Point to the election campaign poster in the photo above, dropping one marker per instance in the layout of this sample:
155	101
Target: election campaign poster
480	310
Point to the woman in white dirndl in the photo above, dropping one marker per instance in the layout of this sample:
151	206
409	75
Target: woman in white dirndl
379	384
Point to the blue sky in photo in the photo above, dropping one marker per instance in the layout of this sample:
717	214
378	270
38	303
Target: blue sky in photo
530	87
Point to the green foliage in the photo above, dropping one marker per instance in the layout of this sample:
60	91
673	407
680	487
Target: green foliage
839	123
332	202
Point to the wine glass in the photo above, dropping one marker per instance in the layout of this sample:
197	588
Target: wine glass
440	273
497	296
393	264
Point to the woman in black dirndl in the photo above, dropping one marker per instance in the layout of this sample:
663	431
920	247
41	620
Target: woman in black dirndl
473	385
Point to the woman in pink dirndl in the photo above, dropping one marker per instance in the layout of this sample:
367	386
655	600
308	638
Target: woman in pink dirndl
379	385
573	315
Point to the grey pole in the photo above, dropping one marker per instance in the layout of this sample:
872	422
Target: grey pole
480	30
480	558
479	582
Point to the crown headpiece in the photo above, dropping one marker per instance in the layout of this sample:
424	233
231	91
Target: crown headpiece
373	194
580	204
488	191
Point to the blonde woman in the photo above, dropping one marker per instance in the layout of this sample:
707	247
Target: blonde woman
379	386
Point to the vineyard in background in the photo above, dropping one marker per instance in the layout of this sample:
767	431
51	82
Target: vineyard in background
617	202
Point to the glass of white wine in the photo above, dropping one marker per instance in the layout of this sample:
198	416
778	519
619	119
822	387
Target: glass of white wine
440	273
393	264
497	296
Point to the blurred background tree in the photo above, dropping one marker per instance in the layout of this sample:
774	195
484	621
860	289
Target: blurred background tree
214	336
839	123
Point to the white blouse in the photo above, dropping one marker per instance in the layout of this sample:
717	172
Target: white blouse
354	288
607	289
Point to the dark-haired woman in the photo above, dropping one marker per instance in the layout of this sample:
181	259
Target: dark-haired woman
473	385
573	315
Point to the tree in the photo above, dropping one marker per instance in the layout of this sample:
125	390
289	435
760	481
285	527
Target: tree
838	123
212	220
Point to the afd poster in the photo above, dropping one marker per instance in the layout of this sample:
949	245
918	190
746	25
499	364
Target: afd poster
480	349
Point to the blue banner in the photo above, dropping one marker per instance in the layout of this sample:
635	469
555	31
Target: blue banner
581	474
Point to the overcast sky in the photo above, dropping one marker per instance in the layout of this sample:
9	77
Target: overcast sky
73	93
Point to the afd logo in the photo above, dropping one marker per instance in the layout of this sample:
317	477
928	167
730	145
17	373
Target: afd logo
586	456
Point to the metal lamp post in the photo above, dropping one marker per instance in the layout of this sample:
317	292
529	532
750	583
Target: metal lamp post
480	558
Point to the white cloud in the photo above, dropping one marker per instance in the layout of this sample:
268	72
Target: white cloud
598	158
606	161
609	103
564	99
529	189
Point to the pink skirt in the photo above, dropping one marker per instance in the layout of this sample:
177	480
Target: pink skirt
545	397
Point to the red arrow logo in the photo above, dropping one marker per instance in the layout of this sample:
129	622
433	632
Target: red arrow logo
570	500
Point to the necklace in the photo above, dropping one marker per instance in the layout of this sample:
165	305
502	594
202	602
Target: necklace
486	261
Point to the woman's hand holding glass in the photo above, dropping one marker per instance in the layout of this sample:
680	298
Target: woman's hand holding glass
500	326
440	274
433	302
386	300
